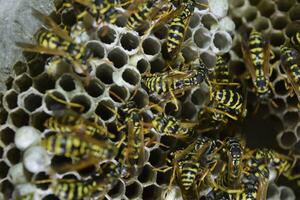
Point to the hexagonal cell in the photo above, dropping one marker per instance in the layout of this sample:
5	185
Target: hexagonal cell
117	190
164	178
143	65
3	169
209	21
198	97
3	116
19	118
147	175
273	191
277	39
7	189
97	49
250	14
51	104
292	101
152	192
262	24
277	123
279	22
67	83
118	93
280	88
68	17
151	46
131	76
13	155
23	82
188	110
266	8
156	158
104	73
129	41
38	119
157	65
50	197
94	88
291	118
286	193
11	99
194	20
43	83
7	135
20	68
222	42
239	3
105	110
133	190
294	13
36	67
107	35
32	102
287	139
285	5
208	58
280	105
161	33
83	100
189	54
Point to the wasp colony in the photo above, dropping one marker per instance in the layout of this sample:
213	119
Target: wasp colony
158	99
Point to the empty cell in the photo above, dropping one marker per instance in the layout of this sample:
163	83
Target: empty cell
23	82
104	73
188	110
266	8
107	35
198	97
141	98
20	68
188	33
68	17
280	104
143	65
277	39
157	65
273	191
208	58
209	21
118	93
117	190
194	20
19	118
291	118
286	193
156	157
292	101
11	99
32	102
170	108
82	100
67	83
280	88
152	192
96	48
94	88
9	82
133	190
285	5
161	33
118	57
189	54
279	22
43	83
121	21
147	174
3	169
129	41
36	67
131	77
222	41
13	155
1	152
38	119
105	110
250	14
7	136
151	46
7	188
51	104
151	139
262	24
295	12
50	197
288	139
292	28
163	178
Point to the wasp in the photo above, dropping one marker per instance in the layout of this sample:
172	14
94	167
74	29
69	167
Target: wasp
257	55
59	43
170	84
72	188
290	65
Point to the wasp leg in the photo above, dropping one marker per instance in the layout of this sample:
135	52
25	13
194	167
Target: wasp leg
78	165
221	112
81	107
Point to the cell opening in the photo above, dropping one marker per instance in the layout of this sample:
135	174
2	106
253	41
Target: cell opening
129	41
157	65
68	17
13	155
97	49
266	8
23	83
239	3
280	88
194	20
107	35
288	139
11	99
292	101
36	67
161	33
105	110
94	89
142	65
67	83
208	58
280	105
198	97
250	14
42	176
147	175
291	118
43	83
294	12
104	73
272	191
19	118
3	169
131	77
188	110
82	100
163	178
222	41
7	189
262	24
285	5
189	54
141	99
151	192
20	68
170	108
52	104
38	119
133	190
156	157
151	46
277	39
286	193
50	197
7	136
118	57
117	190
121	93
209	21
32	102
202	38
279	22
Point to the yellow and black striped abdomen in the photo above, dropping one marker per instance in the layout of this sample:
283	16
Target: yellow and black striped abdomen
175	34
290	62
221	71
49	40
157	83
228	98
189	171
256	48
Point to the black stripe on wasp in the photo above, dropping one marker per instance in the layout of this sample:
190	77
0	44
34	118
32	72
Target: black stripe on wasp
85	142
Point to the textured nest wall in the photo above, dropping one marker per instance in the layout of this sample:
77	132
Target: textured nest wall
121	58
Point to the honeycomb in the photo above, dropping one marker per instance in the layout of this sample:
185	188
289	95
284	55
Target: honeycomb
121	58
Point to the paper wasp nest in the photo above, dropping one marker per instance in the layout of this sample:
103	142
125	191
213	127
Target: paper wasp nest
120	60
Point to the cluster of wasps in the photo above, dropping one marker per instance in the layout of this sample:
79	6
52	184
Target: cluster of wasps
203	167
